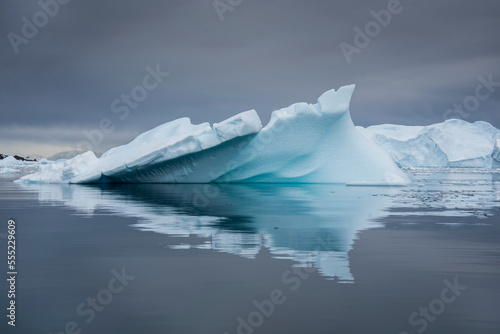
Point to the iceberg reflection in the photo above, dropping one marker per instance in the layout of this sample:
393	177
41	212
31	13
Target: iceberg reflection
313	225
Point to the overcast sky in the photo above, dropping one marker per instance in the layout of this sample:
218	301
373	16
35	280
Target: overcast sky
252	54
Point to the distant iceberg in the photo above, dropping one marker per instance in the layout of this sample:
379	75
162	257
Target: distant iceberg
453	143
9	165
303	143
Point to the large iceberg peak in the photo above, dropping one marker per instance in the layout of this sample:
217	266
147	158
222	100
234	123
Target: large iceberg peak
336	102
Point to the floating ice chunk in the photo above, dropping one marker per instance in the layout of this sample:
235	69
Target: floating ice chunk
453	143
496	154
9	171
303	143
63	171
10	161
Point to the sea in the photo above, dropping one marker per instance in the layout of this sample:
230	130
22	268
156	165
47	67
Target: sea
253	258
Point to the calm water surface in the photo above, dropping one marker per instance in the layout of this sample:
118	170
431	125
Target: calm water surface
257	258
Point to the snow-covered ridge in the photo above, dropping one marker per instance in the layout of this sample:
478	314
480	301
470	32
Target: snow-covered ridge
453	143
303	143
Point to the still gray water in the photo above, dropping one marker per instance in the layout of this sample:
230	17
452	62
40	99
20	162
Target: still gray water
257	258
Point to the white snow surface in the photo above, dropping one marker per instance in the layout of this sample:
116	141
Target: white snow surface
303	143
10	161
11	166
58	171
9	171
453	143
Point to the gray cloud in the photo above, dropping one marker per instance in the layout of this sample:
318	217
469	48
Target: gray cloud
264	55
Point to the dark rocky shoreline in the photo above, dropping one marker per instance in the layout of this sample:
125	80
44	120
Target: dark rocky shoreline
17	157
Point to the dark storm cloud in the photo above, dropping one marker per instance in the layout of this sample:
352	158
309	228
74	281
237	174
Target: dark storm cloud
263	55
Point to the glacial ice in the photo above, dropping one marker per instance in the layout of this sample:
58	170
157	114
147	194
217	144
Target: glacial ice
10	161
303	143
12	166
9	171
453	143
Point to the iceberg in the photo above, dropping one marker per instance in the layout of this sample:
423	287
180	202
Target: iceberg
453	143
9	171
303	143
10	161
496	155
9	165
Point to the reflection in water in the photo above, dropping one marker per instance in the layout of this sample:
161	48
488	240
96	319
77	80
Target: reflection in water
314	225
